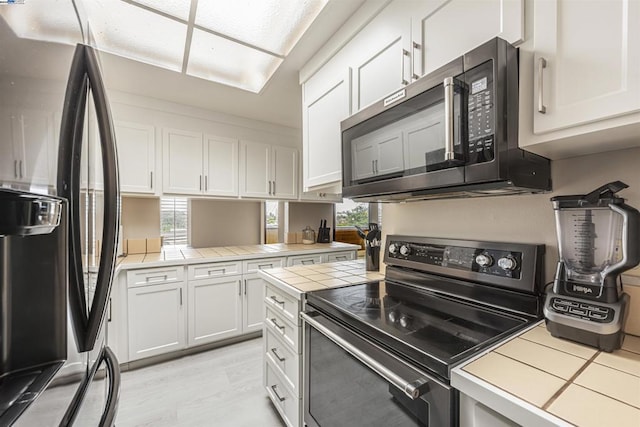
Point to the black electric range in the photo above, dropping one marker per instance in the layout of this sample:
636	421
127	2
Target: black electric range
442	301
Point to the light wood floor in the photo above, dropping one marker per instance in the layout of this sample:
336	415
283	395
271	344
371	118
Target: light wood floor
221	387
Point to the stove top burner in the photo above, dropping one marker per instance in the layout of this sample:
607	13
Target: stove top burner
434	330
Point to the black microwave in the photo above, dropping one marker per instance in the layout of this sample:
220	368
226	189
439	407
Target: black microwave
452	133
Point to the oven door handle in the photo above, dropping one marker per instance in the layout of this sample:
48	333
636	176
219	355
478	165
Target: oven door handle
412	388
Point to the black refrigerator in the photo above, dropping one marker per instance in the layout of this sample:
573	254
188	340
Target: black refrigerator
59	220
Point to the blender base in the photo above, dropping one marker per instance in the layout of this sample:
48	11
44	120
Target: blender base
605	336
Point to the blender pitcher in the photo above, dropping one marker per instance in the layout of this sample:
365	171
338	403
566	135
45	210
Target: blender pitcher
597	240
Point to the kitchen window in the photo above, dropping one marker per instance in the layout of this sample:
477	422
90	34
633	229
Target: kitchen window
350	213
271	222
173	221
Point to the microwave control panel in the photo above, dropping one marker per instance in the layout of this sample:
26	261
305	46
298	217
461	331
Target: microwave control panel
481	114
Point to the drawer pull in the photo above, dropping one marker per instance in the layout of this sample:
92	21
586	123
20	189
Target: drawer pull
307	261
275	299
341	257
275	323
156	278
273	388
218	270
281	359
261	266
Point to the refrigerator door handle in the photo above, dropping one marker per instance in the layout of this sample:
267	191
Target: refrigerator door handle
85	73
113	394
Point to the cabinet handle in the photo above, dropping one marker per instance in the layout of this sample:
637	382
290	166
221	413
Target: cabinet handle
218	270
150	279
269	187
281	359
273	320
110	313
307	261
151	179
20	168
275	299
373	167
206	183
341	257
239	287
542	64
281	399
274	188
448	119
414	46
15	168
180	296
377	170
261	266
245	286
402	79
200	182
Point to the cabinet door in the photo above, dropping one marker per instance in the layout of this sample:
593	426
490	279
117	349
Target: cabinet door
253	308
33	147
435	43
220	166
592	55
136	157
156	320
214	309
327	101
255	169
182	162
390	154
381	56
364	155
285	172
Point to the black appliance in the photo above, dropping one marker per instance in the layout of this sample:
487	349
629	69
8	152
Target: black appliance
381	353
598	239
452	133
58	222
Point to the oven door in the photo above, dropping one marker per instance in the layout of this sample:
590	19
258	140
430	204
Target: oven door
351	381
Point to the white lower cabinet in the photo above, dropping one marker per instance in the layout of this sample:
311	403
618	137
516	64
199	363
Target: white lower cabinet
282	353
475	414
156	319
252	303
215	309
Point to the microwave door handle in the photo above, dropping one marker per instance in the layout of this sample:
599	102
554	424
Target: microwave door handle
111	217
68	184
449	154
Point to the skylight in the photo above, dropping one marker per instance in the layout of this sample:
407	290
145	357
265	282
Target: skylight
240	43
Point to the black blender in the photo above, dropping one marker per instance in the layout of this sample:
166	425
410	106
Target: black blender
598	240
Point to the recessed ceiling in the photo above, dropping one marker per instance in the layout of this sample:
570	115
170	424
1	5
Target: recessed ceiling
239	43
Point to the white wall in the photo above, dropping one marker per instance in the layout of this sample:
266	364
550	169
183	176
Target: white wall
224	223
140	217
526	218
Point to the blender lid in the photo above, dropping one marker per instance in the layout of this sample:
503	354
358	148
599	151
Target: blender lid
600	197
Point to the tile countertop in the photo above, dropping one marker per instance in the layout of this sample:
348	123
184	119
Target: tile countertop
225	253
305	278
536	379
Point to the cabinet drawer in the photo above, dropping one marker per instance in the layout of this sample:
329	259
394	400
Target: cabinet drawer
340	256
282	328
284	359
282	303
254	265
155	276
287	404
218	269
304	259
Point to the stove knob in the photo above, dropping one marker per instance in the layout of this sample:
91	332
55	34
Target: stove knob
393	248
484	260
405	250
507	263
393	316
405	321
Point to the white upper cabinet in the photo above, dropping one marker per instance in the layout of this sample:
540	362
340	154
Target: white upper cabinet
268	171
380	56
443	30
587	61
197	164
28	151
136	157
221	166
182	162
326	102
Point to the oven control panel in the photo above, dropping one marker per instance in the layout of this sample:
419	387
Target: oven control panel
495	262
